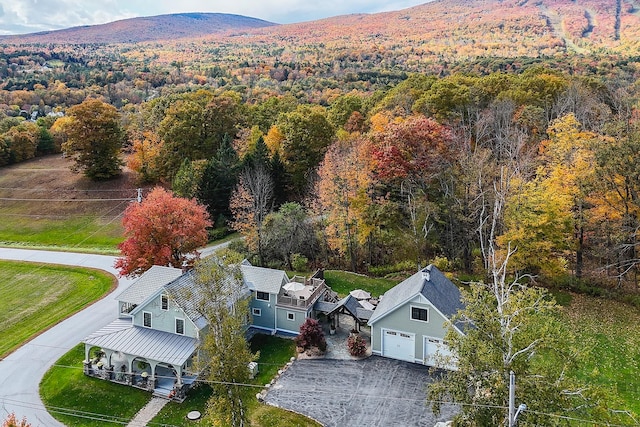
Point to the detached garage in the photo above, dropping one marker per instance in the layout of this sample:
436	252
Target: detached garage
412	318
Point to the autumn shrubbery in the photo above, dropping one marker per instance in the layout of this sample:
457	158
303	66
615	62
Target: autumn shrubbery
311	335
356	345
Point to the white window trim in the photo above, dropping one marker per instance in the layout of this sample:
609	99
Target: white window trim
150	319
291	313
420	308
256	311
261	299
183	325
162	297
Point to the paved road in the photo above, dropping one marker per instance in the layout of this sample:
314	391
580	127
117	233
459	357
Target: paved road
21	371
371	392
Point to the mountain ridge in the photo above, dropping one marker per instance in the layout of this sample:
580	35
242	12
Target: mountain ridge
145	28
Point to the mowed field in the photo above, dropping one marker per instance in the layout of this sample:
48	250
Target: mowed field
45	205
34	297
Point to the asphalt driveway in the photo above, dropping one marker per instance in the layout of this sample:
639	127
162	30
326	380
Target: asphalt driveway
372	392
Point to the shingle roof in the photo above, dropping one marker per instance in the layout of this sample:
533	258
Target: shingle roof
263	279
184	292
150	281
429	282
150	344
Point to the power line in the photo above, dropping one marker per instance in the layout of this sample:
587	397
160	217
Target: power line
7	199
77	413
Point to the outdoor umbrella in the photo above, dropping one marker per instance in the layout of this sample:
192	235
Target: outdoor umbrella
293	286
360	294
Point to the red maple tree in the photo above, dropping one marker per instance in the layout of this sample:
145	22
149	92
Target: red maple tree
162	230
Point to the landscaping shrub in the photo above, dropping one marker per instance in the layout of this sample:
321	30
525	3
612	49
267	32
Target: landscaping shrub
356	345
311	335
299	262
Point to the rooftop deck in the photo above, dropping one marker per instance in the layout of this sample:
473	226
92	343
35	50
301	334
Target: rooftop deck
303	298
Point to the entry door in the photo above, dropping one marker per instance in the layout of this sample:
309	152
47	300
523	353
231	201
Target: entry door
398	345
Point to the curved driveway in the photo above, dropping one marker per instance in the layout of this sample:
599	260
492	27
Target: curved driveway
22	370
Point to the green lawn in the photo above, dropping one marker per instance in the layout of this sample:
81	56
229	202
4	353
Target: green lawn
275	352
611	331
89	232
66	386
343	282
36	297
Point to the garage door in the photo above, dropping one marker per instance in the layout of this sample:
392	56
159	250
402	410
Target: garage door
444	357
398	345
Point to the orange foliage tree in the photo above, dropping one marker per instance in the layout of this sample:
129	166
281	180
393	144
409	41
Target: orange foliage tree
162	230
343	188
12	421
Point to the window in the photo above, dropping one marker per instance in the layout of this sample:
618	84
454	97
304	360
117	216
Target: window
180	326
291	316
165	302
264	296
418	313
146	319
256	312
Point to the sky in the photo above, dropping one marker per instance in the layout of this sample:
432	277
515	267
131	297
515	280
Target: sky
29	16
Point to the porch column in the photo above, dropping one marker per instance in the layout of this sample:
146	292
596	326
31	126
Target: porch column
179	375
151	381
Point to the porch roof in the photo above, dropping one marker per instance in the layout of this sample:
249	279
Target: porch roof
150	344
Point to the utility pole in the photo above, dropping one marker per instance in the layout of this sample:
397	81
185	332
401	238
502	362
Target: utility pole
512	398
513	414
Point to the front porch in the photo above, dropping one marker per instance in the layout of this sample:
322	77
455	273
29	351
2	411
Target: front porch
147	359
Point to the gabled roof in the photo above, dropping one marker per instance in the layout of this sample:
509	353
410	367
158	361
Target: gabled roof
263	279
428	282
183	291
147	284
150	344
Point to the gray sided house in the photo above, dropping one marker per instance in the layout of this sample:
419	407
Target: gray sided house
280	304
152	343
411	320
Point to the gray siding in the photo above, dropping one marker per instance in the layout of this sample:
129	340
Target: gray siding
267	317
400	320
165	320
283	323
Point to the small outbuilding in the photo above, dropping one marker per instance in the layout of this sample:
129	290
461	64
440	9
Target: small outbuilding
411	320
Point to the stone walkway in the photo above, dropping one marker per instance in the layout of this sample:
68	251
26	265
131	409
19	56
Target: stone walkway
147	413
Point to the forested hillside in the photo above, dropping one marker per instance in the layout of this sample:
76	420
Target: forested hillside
384	140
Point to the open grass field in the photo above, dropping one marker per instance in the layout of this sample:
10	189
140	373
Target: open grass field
45	205
36	297
610	331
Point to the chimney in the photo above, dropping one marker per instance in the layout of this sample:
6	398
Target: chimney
426	274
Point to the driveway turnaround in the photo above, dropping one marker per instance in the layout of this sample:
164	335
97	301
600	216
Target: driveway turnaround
372	392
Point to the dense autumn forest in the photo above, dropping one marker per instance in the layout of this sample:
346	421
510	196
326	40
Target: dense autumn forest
376	142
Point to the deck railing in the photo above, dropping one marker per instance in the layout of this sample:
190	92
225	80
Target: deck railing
291	301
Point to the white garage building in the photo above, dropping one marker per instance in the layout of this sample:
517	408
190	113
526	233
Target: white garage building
412	318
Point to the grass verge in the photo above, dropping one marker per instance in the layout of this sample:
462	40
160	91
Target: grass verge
37	296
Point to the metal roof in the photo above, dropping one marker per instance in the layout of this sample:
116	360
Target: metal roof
150	281
263	279
150	344
428	282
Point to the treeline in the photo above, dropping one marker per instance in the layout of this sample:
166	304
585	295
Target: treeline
414	173
427	169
